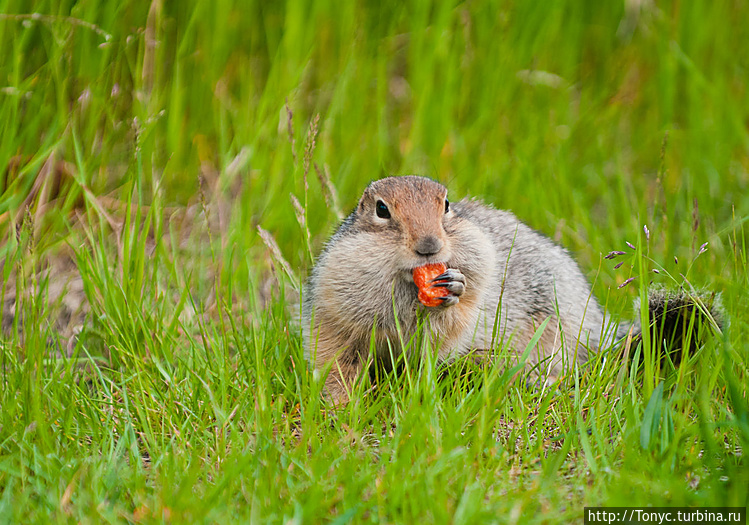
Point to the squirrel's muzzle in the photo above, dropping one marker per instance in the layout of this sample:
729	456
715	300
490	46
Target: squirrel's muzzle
428	245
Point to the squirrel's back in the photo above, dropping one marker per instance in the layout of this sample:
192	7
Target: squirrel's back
535	279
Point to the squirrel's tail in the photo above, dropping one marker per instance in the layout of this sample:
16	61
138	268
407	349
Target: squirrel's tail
678	319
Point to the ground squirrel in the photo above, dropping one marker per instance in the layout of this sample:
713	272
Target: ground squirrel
503	280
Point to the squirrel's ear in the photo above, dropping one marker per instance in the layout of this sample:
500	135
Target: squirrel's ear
360	206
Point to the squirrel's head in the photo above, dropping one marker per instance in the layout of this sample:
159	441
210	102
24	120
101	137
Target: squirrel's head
411	213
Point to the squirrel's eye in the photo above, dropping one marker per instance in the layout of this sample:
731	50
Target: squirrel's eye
447	205
382	210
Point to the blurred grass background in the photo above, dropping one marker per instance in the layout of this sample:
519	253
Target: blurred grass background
587	119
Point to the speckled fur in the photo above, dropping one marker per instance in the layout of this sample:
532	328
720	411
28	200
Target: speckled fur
364	277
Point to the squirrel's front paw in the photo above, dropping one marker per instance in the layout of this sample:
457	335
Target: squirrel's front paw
454	282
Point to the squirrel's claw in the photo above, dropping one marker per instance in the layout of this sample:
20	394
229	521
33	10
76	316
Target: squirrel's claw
454	287
450	300
451	274
453	281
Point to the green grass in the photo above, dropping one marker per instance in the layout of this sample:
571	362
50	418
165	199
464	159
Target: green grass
185	396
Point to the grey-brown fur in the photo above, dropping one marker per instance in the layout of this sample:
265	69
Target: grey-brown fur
364	276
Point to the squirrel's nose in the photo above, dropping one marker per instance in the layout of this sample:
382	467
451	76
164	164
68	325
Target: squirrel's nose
428	245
